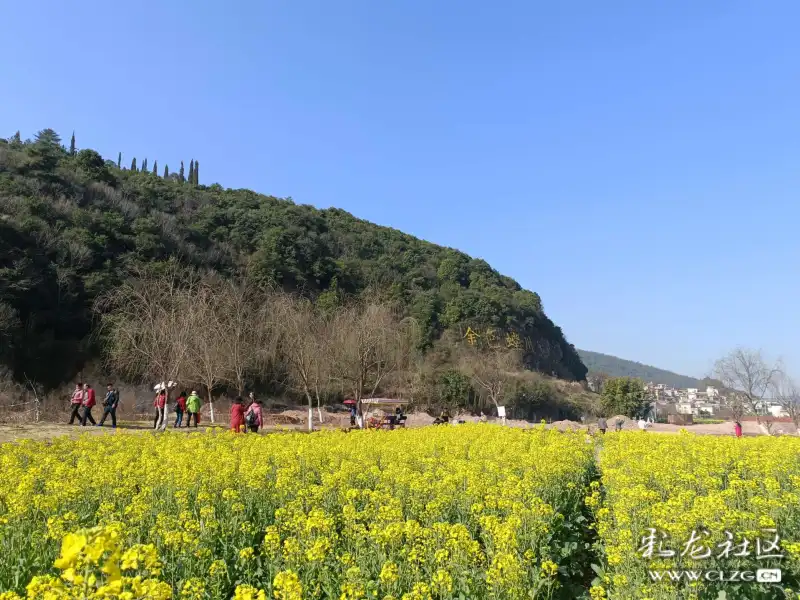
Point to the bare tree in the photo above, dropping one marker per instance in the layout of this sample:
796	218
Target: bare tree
240	305
305	349
787	393
492	372
596	381
369	342
736	406
145	328
748	375
265	332
208	363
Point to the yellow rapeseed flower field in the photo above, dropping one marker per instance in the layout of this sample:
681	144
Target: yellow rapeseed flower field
720	507
473	511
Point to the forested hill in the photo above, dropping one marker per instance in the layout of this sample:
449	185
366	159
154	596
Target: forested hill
72	224
619	367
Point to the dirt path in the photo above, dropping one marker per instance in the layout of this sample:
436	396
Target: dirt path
45	431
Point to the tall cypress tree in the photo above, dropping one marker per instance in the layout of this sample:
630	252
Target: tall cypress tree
72	145
144	166
133	164
166	171
119	160
155	167
191	172
196	172
181	175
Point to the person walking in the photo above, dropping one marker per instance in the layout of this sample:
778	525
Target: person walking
180	408
76	402
88	402
164	409
160	404
237	414
193	405
253	417
618	425
110	404
602	425
737	429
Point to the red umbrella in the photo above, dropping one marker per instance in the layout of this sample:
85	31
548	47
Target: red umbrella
351	402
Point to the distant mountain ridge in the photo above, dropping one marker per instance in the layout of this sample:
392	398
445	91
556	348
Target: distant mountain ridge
613	366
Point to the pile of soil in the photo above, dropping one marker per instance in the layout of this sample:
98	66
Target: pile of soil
419	419
567	424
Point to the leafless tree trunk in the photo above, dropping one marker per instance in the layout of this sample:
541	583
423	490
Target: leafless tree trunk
746	372
145	327
305	348
208	363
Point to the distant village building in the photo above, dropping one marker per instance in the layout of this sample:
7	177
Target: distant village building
688	401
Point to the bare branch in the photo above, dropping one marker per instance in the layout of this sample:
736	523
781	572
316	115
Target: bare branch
749	376
493	371
787	393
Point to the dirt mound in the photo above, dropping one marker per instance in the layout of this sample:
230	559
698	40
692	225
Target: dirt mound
419	419
566	424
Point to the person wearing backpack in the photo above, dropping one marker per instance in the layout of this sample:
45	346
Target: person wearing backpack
253	417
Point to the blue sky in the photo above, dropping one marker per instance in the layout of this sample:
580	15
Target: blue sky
636	163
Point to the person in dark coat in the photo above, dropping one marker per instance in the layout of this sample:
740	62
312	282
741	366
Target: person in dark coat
602	425
237	414
110	404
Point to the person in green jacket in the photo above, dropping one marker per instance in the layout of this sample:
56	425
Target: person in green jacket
193	404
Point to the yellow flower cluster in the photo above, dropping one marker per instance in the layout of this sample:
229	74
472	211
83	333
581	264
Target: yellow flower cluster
684	502
473	511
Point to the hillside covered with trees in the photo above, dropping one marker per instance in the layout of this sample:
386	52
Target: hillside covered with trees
73	226
619	367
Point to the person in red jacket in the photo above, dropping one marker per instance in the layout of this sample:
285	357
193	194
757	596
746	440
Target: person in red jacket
237	415
76	402
88	403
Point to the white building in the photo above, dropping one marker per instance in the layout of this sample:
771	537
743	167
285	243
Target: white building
705	409
777	411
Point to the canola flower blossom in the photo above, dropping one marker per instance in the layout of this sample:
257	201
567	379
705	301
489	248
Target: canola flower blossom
699	503
474	511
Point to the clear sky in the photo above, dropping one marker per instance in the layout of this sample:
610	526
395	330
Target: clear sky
635	162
